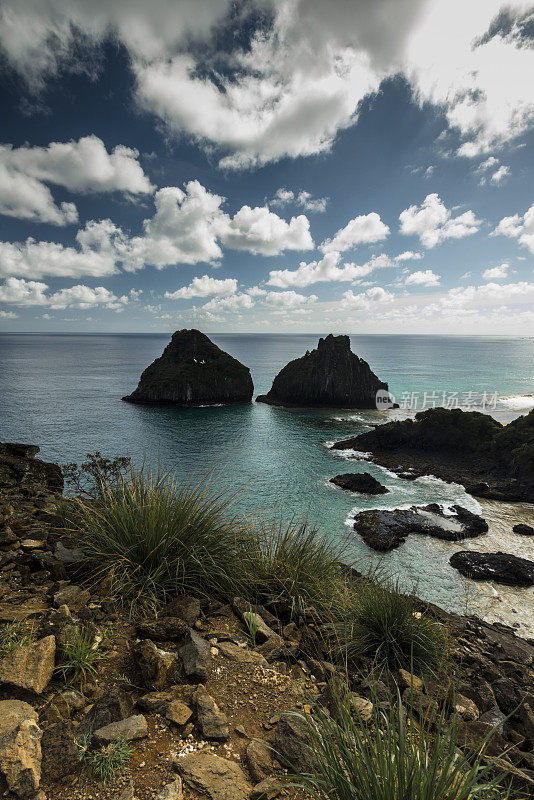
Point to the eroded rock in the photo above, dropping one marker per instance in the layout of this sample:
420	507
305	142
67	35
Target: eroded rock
30	667
217	778
20	748
499	567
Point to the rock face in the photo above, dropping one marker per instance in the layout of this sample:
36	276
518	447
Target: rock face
384	530
331	376
499	567
489	459
193	371
359	482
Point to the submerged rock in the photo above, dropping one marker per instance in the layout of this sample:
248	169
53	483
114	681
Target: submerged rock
193	371
359	482
385	530
523	530
499	567
331	376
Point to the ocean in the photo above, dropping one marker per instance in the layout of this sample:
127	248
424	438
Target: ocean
63	393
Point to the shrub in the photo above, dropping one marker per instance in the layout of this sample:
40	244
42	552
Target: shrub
153	536
383	623
95	473
391	757
292	562
80	656
106	762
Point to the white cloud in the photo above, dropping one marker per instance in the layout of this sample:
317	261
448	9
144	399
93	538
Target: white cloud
25	197
500	174
8	315
434	223
364	229
496	273
325	270
289	300
23	293
259	230
235	303
519	226
305	200
32	293
408	255
423	278
366	300
204	287
256	291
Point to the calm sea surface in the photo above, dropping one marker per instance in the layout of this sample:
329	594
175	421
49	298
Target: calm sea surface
63	393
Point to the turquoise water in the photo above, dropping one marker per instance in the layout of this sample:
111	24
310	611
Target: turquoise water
63	393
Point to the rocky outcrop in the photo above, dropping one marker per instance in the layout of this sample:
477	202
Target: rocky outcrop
19	469
385	530
331	376
490	460
20	748
499	567
362	482
193	371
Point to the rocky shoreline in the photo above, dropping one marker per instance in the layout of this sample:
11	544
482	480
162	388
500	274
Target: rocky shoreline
199	701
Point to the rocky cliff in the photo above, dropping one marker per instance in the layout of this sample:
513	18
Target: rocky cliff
193	371
331	376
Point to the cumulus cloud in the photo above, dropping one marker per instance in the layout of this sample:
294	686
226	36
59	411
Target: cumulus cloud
289	300
293	81
20	292
8	315
235	303
325	270
434	223
365	300
496	273
518	226
260	231
423	278
204	287
305	200
408	255
500	174
364	229
80	166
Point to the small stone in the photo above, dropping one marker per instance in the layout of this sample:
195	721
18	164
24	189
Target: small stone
31	544
60	753
235	653
72	596
466	708
240	730
178	713
292	741
185	607
112	706
131	728
268	789
406	680
258	630
30	667
173	791
259	760
157	666
212	722
362	707
196	657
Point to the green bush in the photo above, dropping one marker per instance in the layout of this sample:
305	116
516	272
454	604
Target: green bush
79	657
385	624
14	635
106	762
154	536
391	757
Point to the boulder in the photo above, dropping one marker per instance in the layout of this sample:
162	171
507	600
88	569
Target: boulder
112	706
20	748
60	753
499	567
20	469
184	607
215	777
213	724
193	371
259	760
292	743
196	657
30	667
330	376
384	530
362	482
157	666
236	653
131	728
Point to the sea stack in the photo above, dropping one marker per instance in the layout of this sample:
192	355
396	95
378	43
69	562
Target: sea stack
331	376
193	371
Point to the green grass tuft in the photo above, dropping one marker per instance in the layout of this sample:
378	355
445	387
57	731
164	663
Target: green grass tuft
79	657
106	762
14	635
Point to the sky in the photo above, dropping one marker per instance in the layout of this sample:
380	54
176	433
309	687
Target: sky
361	166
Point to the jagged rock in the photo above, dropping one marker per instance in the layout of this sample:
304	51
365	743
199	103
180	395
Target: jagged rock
331	376
196	657
20	748
162	629
72	596
523	530
184	607
362	482
257	628
19	468
259	760
130	729
212	722
292	743
384	530
173	791
178	712
30	667
193	371
157	666
235	653
499	567
68	555
216	777
466	708
60	753
113	706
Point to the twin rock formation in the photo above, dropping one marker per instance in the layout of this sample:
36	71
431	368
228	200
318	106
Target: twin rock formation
193	371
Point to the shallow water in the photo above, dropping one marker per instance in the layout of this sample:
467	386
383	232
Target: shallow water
63	392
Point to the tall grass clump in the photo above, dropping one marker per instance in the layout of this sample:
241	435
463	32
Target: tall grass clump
153	535
290	561
392	756
383	623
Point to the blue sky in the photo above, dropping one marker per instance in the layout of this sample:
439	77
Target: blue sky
268	165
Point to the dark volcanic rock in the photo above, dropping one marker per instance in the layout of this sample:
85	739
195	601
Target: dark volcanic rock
19	468
489	459
331	376
523	530
359	482
498	567
193	371
385	530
